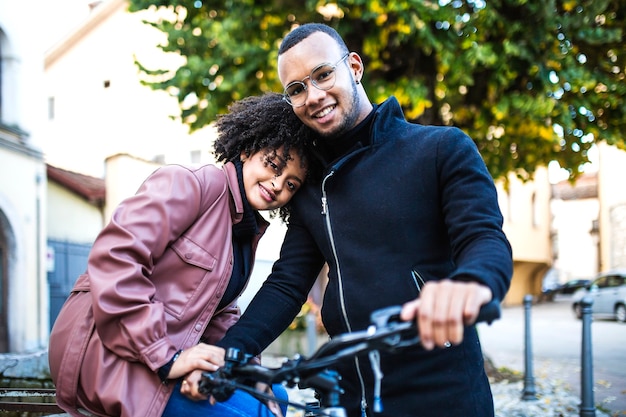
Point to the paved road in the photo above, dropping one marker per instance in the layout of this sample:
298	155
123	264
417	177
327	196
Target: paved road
556	346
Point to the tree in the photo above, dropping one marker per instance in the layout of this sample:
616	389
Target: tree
529	81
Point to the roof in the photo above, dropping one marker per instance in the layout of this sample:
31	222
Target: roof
91	189
586	186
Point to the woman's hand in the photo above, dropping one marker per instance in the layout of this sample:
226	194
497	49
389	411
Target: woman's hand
272	405
191	383
200	357
192	363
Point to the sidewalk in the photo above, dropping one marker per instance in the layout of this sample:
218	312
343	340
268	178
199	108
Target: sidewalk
553	400
556	343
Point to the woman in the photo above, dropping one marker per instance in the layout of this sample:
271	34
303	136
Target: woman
163	277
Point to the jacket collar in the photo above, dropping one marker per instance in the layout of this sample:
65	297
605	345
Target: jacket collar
248	224
236	202
388	118
236	206
380	124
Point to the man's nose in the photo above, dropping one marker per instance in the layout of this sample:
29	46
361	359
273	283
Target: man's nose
313	93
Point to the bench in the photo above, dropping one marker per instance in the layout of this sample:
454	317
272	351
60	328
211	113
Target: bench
40	400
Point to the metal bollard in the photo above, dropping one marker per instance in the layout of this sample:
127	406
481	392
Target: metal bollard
587	406
311	334
529	393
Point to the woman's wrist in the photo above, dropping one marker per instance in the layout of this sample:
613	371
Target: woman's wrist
164	371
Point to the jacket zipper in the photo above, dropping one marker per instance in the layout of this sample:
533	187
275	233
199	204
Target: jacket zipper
329	230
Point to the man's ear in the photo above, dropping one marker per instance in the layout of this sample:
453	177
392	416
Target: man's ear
356	66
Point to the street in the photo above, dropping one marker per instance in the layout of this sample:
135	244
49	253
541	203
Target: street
556	343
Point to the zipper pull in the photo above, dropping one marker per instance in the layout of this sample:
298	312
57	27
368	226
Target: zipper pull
378	377
324	201
417	277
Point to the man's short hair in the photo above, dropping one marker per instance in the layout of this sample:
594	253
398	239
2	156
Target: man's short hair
302	32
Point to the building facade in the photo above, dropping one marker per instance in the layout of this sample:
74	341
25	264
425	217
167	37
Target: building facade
23	289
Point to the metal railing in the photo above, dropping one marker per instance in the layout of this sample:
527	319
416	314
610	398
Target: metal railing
41	400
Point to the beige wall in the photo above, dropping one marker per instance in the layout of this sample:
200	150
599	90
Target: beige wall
70	217
612	195
577	247
527	221
124	175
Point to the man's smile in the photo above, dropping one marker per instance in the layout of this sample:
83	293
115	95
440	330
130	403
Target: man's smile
325	111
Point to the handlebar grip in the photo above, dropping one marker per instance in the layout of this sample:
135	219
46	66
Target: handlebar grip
489	312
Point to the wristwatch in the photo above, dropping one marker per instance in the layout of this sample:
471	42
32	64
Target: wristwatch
164	371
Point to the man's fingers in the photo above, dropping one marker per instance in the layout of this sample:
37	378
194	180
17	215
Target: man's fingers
409	310
481	296
443	309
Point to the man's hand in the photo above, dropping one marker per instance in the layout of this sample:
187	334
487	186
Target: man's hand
444	308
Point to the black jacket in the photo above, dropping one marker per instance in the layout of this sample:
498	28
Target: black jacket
417	198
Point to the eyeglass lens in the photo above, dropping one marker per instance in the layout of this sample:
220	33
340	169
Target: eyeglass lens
322	77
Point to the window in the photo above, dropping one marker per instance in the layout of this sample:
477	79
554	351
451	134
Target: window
536	211
615	281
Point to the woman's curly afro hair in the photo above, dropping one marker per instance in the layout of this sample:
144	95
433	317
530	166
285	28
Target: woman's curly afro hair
266	123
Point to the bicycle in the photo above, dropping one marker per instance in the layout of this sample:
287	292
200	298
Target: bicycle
386	333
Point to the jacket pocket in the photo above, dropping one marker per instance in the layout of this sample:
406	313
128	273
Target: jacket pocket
182	275
194	254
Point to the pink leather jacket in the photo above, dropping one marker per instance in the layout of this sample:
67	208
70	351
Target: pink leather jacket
155	276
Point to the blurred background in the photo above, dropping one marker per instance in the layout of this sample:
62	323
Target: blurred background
95	95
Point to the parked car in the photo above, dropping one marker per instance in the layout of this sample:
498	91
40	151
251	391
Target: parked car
568	288
608	294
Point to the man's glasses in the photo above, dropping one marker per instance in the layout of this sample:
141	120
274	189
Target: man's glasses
322	77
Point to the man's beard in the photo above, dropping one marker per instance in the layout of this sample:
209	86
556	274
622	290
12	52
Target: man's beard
349	121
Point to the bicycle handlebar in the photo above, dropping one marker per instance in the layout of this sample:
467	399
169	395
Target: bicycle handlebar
386	322
386	333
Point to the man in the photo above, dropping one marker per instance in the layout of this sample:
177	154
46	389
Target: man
403	214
